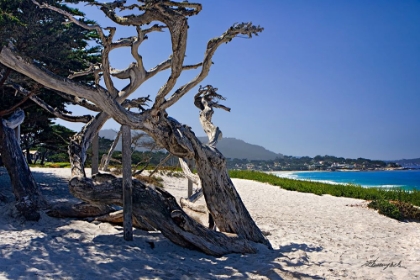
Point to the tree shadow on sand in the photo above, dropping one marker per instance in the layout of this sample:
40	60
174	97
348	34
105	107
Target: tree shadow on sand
65	251
68	248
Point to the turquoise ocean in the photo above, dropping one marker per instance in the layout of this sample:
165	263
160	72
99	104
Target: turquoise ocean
407	179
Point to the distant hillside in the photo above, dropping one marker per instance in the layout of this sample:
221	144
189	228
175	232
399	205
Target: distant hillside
108	133
415	162
230	147
111	134
236	148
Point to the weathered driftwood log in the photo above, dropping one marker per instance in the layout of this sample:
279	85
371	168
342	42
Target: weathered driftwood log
117	217
77	210
159	209
27	193
198	212
101	213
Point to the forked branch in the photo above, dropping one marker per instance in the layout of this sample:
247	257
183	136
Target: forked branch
54	111
237	29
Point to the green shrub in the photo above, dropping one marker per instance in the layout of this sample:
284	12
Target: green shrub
53	165
386	208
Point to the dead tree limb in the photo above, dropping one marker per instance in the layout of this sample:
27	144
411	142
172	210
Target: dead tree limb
106	159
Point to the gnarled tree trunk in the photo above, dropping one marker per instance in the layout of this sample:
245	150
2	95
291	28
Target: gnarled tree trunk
27	193
224	203
160	210
151	204
154	206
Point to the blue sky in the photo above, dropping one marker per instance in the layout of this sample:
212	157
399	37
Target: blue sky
324	78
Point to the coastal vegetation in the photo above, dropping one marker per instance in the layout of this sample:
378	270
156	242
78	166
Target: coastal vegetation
293	163
396	203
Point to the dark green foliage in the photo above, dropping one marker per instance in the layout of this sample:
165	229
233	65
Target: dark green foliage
103	148
386	208
41	35
52	143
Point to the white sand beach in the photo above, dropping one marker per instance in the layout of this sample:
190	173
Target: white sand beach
314	237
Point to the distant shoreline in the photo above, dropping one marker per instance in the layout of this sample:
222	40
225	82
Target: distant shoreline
348	170
405	178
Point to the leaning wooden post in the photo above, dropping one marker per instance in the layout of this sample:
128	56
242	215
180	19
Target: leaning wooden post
95	154
190	182
127	183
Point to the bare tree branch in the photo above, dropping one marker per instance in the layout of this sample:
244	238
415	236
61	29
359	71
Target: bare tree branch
98	96
58	113
193	177
212	45
80	101
107	158
136	103
172	14
54	111
149	9
94	69
14	107
106	42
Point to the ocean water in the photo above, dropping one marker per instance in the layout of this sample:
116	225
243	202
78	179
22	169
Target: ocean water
408	179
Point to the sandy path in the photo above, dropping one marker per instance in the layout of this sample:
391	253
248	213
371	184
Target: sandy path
314	237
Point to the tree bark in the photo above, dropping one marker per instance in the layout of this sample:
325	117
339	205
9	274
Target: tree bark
27	193
223	201
78	210
95	154
127	184
159	209
117	217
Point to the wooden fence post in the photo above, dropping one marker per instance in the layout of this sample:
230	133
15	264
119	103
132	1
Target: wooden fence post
95	154
127	183
190	182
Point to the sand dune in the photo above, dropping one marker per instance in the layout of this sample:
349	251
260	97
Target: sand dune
314	237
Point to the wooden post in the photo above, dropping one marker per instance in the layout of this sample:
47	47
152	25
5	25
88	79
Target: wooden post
95	154
127	183
190	182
